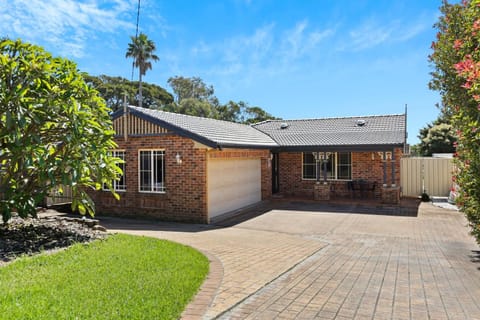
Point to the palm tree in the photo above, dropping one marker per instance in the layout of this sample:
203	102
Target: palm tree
141	50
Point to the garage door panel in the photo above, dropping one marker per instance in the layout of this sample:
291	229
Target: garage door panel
232	184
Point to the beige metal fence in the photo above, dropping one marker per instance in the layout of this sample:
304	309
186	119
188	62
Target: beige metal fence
433	174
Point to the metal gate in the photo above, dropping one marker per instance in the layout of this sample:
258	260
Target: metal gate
432	174
56	197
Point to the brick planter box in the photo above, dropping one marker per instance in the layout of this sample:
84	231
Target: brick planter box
391	195
321	191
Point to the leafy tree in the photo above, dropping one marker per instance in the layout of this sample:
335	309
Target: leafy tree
231	111
113	90
437	137
189	90
141	49
256	114
54	130
193	107
192	88
456	59
415	150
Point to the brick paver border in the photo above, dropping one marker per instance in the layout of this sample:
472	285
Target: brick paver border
197	308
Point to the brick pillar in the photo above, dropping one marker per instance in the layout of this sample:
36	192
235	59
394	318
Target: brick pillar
321	191
391	195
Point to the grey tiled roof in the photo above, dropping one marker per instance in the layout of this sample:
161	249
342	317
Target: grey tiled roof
376	130
215	133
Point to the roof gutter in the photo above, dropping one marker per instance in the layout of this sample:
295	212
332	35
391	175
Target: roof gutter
337	148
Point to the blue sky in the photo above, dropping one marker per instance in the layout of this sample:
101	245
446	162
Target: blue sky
295	59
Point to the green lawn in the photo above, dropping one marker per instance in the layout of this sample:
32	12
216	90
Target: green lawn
122	277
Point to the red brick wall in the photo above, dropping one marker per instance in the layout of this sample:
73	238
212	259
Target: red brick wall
290	175
363	167
185	198
185	183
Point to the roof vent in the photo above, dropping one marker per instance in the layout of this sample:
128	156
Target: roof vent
283	125
361	122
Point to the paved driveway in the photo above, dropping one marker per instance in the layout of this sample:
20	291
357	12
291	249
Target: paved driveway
300	262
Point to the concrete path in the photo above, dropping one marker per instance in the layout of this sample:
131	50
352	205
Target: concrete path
300	263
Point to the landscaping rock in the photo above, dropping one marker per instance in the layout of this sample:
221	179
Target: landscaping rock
99	228
91	222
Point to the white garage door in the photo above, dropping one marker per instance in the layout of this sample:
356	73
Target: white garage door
232	184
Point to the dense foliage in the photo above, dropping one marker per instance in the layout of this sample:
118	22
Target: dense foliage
115	89
437	137
54	130
194	97
456	59
190	96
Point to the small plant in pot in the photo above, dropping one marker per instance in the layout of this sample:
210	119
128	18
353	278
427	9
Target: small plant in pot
425	197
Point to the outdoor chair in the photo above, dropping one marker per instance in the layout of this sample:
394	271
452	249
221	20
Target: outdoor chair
361	187
371	188
352	187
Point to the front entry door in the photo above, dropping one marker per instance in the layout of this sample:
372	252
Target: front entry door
275	174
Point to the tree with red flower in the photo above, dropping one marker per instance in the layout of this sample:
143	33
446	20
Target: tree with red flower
456	75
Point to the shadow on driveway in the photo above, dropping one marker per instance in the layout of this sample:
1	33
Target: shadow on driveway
407	208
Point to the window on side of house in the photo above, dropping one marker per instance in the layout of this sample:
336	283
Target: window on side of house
151	171
344	166
309	166
339	166
120	184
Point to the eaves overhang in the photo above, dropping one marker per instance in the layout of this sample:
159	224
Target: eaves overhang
338	148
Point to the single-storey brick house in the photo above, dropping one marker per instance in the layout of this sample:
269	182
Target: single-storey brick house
186	168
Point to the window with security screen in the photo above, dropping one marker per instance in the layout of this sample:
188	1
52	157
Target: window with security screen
152	170
338	166
120	183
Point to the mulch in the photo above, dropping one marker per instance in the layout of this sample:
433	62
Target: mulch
34	235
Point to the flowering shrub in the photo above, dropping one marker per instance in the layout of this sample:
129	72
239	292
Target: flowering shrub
456	59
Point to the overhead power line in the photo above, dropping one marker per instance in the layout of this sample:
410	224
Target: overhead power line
136	35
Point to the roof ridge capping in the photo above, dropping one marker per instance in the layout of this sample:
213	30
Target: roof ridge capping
186	115
331	118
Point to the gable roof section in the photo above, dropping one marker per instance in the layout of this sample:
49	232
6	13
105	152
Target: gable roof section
369	133
210	132
354	133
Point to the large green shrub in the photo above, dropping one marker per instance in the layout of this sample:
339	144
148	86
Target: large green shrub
456	58
54	130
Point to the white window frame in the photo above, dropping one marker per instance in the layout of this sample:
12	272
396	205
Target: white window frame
152	188
336	166
117	187
303	167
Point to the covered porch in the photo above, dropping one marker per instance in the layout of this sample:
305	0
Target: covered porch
338	174
349	158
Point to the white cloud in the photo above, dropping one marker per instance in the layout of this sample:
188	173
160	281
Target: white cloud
298	41
413	30
65	24
201	48
265	51
369	35
373	33
254	47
